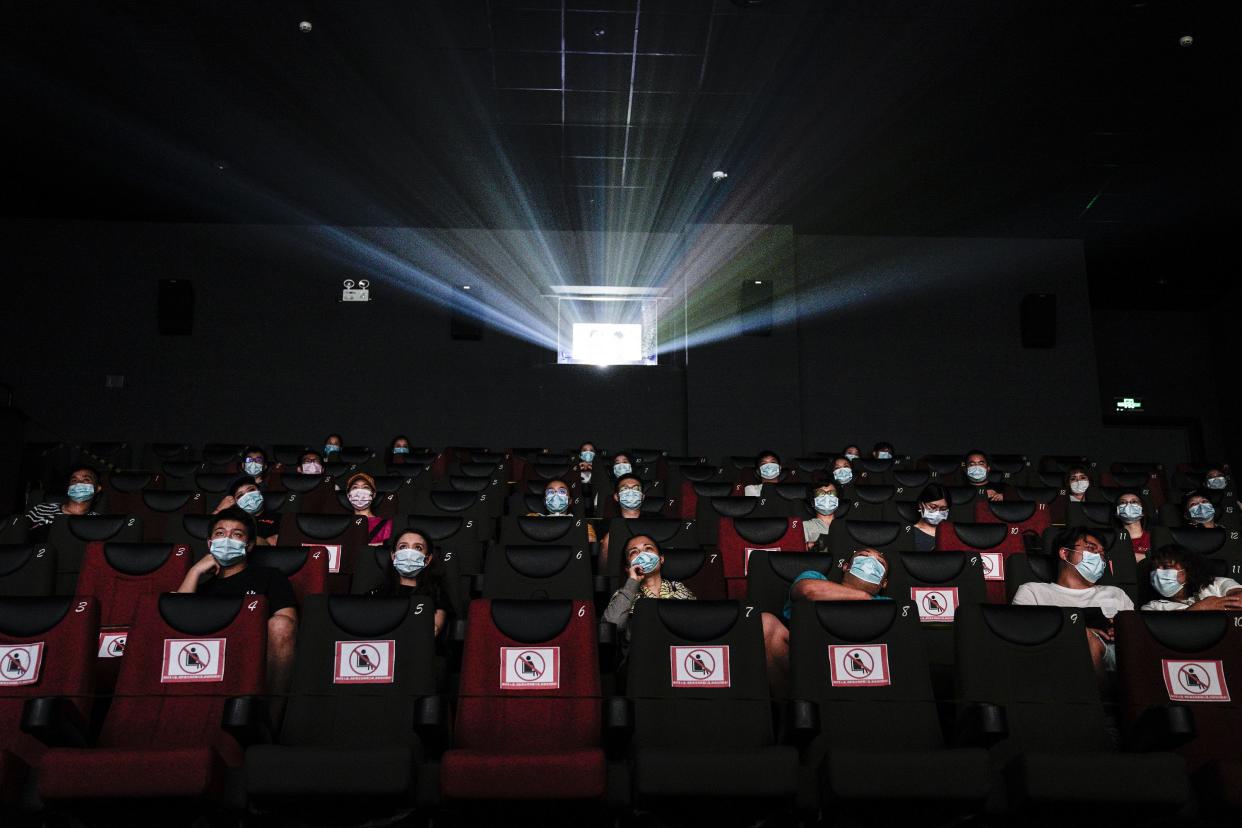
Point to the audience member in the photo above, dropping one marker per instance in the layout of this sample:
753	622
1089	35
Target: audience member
83	493
412	573
244	494
978	473
933	511
644	580
1130	518
1183	580
1077	482
824	503
629	498
767	469
360	492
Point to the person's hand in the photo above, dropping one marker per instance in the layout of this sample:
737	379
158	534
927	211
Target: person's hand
1224	602
1107	633
207	565
226	502
995	496
636	573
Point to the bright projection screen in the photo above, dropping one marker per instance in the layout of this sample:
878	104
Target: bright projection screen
599	326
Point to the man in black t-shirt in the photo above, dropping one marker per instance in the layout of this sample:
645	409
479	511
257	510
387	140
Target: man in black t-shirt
230	536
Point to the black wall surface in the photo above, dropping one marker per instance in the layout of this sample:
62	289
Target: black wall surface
911	340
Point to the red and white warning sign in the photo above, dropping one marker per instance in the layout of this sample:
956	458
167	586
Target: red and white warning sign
935	603
334	555
993	564
112	642
700	666
193	659
364	661
1195	680
749	549
20	663
859	666
530	668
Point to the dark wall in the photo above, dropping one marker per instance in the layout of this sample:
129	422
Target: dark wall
913	340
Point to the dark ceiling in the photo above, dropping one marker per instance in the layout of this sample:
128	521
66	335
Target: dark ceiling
997	117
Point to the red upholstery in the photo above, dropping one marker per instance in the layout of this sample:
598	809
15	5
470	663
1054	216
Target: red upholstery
304	529
734	543
527	744
68	654
1036	523
948	540
164	738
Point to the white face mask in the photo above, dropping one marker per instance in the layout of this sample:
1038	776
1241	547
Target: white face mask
977	474
935	516
312	467
360	498
1079	486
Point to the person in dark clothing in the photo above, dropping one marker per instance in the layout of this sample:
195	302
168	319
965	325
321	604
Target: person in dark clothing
412	573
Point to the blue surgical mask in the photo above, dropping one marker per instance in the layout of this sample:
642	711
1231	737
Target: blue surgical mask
557	502
851	456
227	551
1079	486
328	448
1130	512
884	455
826	504
81	492
1216	482
770	471
647	562
630	498
867	568
935	516
586	456
1090	566
621	468
1165	582
401	450
843	475
978	474
251	502
1201	512
409	562
254	468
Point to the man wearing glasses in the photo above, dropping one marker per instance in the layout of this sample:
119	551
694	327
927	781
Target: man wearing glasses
1082	563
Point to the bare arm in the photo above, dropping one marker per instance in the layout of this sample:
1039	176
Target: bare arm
828	591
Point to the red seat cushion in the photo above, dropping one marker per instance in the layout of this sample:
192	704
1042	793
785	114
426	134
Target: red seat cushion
473	774
70	773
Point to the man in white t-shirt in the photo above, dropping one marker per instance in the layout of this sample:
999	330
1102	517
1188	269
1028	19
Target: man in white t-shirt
1082	563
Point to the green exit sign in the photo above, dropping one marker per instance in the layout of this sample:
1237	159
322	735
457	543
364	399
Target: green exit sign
1128	405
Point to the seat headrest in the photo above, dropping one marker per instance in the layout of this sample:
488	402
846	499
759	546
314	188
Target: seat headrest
388	483
167	450
789	565
531	621
874	465
734	507
555	459
1037	494
1199	539
199	614
875	533
24	617
981	535
907	510
161	500
1025	626
220	456
453	501
1132	480
680	564
699	474
943	463
911	479
301	483
274	501
478	469
811	464
323	526
213	482
856	621
130	481
491	459
934	567
463	483
1007	463
435	527
407	471
712	490
549	471
180	468
875	494
545	529
98	527
367	616
660	530
698	620
1187	632
960	495
1012	511
423	458
792	491
1062	462
1043	567
196	526
356	454
686	461
289	560
539	561
742	461
14	556
136	558
1100	514
761	529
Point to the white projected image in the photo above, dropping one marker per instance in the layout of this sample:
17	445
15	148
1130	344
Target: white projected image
607	344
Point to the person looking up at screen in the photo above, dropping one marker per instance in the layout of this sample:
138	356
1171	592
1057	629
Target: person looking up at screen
399	450
1198	510
824	503
82	494
245	495
360	492
767	469
332	447
629	497
1130	518
412	555
586	461
1077	482
883	451
842	471
311	462
558	502
644	562
851	452
254	465
978	473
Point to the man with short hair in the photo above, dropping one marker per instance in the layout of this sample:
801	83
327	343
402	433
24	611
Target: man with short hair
767	469
629	497
978	474
224	570
83	493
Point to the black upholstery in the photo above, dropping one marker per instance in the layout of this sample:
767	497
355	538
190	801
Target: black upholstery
199	614
28	616
531	622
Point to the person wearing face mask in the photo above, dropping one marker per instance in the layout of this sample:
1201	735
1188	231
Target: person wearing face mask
977	471
82	493
1077	482
863	579
1220	491
842	471
224	571
1082	564
558	502
1130	518
310	462
1181	580
586	461
399	450
883	451
245	495
1198	510
332	447
629	498
643	563
412	573
360	492
767	469
622	464
851	453
933	511
824	503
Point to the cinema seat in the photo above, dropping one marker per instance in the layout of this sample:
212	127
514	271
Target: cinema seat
740	537
706	516
529	713
164	736
538	571
666	532
993	543
123	490
847	537
1024	518
1118	552
700	570
770	576
698	693
312	493
530	530
344	536
47	646
14	529
688	493
859	675
71	534
161	511
375	564
464	505
454	538
1217	544
363	689
1184	668
872	502
27	569
492	492
306	567
1032	666
155	455
937	584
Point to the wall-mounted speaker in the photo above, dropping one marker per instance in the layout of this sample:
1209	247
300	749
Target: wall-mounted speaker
1039	320
175	307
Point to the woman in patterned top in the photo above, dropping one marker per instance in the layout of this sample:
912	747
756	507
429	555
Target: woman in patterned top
644	562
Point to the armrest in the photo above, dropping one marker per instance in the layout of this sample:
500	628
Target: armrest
431	723
601	584
1161	727
476	585
457	631
246	719
55	721
618	725
803	721
981	724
